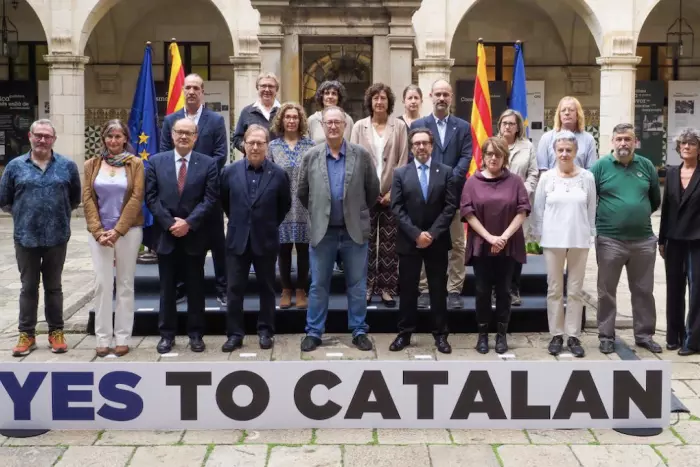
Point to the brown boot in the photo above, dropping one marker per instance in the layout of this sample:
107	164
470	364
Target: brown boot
121	350
302	301
286	300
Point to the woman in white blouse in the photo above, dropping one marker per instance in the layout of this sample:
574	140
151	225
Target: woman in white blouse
564	223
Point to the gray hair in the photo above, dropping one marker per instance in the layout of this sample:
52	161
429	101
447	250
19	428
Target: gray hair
267	75
333	107
687	135
564	135
255	127
42	121
188	120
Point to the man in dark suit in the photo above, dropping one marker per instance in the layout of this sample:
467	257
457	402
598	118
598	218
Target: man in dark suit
256	196
182	190
423	199
211	141
452	146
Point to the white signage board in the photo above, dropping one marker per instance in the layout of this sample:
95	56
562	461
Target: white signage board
336	394
683	111
535	110
216	98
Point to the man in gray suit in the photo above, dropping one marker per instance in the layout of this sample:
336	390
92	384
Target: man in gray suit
338	184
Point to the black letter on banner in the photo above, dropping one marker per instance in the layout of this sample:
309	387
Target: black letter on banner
372	382
188	382
425	382
302	395
224	395
519	408
626	388
580	382
478	382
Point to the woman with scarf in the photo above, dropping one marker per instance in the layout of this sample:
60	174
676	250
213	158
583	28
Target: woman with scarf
113	192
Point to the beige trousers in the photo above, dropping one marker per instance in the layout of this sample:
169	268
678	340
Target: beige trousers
568	322
455	269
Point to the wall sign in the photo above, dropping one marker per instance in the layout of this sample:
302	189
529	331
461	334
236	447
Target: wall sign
683	111
17	100
649	120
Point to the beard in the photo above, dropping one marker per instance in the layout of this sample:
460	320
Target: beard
624	152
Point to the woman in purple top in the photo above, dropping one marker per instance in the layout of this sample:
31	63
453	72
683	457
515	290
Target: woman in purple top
494	203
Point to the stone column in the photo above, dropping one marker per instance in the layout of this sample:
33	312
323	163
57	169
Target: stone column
291	64
434	66
246	68
271	35
67	101
271	54
401	41
618	72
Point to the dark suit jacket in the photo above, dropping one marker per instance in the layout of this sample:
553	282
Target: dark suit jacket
416	215
258	219
196	204
211	135
680	212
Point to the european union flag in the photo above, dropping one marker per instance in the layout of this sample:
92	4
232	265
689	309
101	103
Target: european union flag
518	92
143	119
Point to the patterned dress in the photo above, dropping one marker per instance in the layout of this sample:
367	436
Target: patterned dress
295	227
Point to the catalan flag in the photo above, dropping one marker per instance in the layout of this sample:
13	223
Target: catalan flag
518	93
176	98
482	127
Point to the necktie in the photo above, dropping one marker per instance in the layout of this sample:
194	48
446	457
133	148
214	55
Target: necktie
181	175
424	181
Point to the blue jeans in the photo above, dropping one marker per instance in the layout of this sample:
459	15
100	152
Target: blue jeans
322	258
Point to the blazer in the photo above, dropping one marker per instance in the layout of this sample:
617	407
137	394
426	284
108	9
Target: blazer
680	210
196	204
395	147
132	212
457	150
359	194
523	161
256	220
415	215
211	135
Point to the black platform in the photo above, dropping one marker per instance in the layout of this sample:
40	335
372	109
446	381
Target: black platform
531	316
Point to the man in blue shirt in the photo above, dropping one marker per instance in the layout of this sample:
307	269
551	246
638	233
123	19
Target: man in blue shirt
40	189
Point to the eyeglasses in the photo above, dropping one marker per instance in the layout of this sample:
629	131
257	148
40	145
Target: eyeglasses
255	144
291	118
189	134
267	86
492	155
333	123
421	143
40	136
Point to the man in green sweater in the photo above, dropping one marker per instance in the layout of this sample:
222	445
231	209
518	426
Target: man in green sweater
628	192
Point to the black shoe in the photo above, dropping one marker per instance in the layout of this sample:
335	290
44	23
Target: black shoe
197	344
482	344
362	342
672	347
650	345
555	345
686	351
232	343
401	342
501	339
165	345
310	343
221	298
454	301
390	303
424	300
442	345
575	347
180	294
265	342
606	346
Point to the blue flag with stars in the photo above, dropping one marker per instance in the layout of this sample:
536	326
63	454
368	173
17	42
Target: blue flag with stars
518	93
143	119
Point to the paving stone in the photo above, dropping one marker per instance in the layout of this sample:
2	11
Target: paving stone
409	353
135	355
90	343
151	342
674	357
694	385
251	351
681	456
96	456
55	438
455	456
44	355
400	436
685	370
337	344
613	437
6	357
212	436
210	354
343	436
689	431
316	456
469	354
138	438
643	353
238	456
692	404
29	456
489	437
2	440
386	456
617	456
278	437
536	456
168	456
531	354
560	436
682	388
288	348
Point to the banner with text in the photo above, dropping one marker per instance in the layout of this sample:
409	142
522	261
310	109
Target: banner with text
335	394
649	120
683	111
17	100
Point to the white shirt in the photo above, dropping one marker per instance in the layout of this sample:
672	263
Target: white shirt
258	105
427	172
564	211
177	161
196	116
378	142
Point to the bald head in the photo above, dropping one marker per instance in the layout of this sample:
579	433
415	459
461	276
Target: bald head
441	95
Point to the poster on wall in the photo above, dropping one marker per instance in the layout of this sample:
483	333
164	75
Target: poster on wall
649	120
535	110
16	116
683	111
44	106
465	96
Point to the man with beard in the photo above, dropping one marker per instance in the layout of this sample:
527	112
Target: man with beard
628	192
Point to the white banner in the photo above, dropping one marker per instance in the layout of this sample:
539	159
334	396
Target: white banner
335	394
683	111
535	110
216	98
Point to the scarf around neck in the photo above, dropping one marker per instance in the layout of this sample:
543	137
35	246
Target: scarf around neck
116	160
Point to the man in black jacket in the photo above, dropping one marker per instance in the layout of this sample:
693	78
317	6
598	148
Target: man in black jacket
261	112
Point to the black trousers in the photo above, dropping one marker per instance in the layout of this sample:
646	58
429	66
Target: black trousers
517	272
191	269
285	259
43	264
238	267
436	262
217	246
493	272
683	268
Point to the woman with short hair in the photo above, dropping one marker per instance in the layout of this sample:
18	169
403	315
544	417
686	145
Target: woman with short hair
329	93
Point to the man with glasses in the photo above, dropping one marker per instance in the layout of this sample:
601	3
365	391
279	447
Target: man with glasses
262	112
338	184
182	191
40	189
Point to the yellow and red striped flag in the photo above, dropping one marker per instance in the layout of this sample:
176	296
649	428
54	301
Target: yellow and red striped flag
482	127
176	98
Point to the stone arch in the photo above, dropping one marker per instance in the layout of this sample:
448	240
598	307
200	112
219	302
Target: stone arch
44	16
690	10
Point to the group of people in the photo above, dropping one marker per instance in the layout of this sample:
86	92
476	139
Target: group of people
387	197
